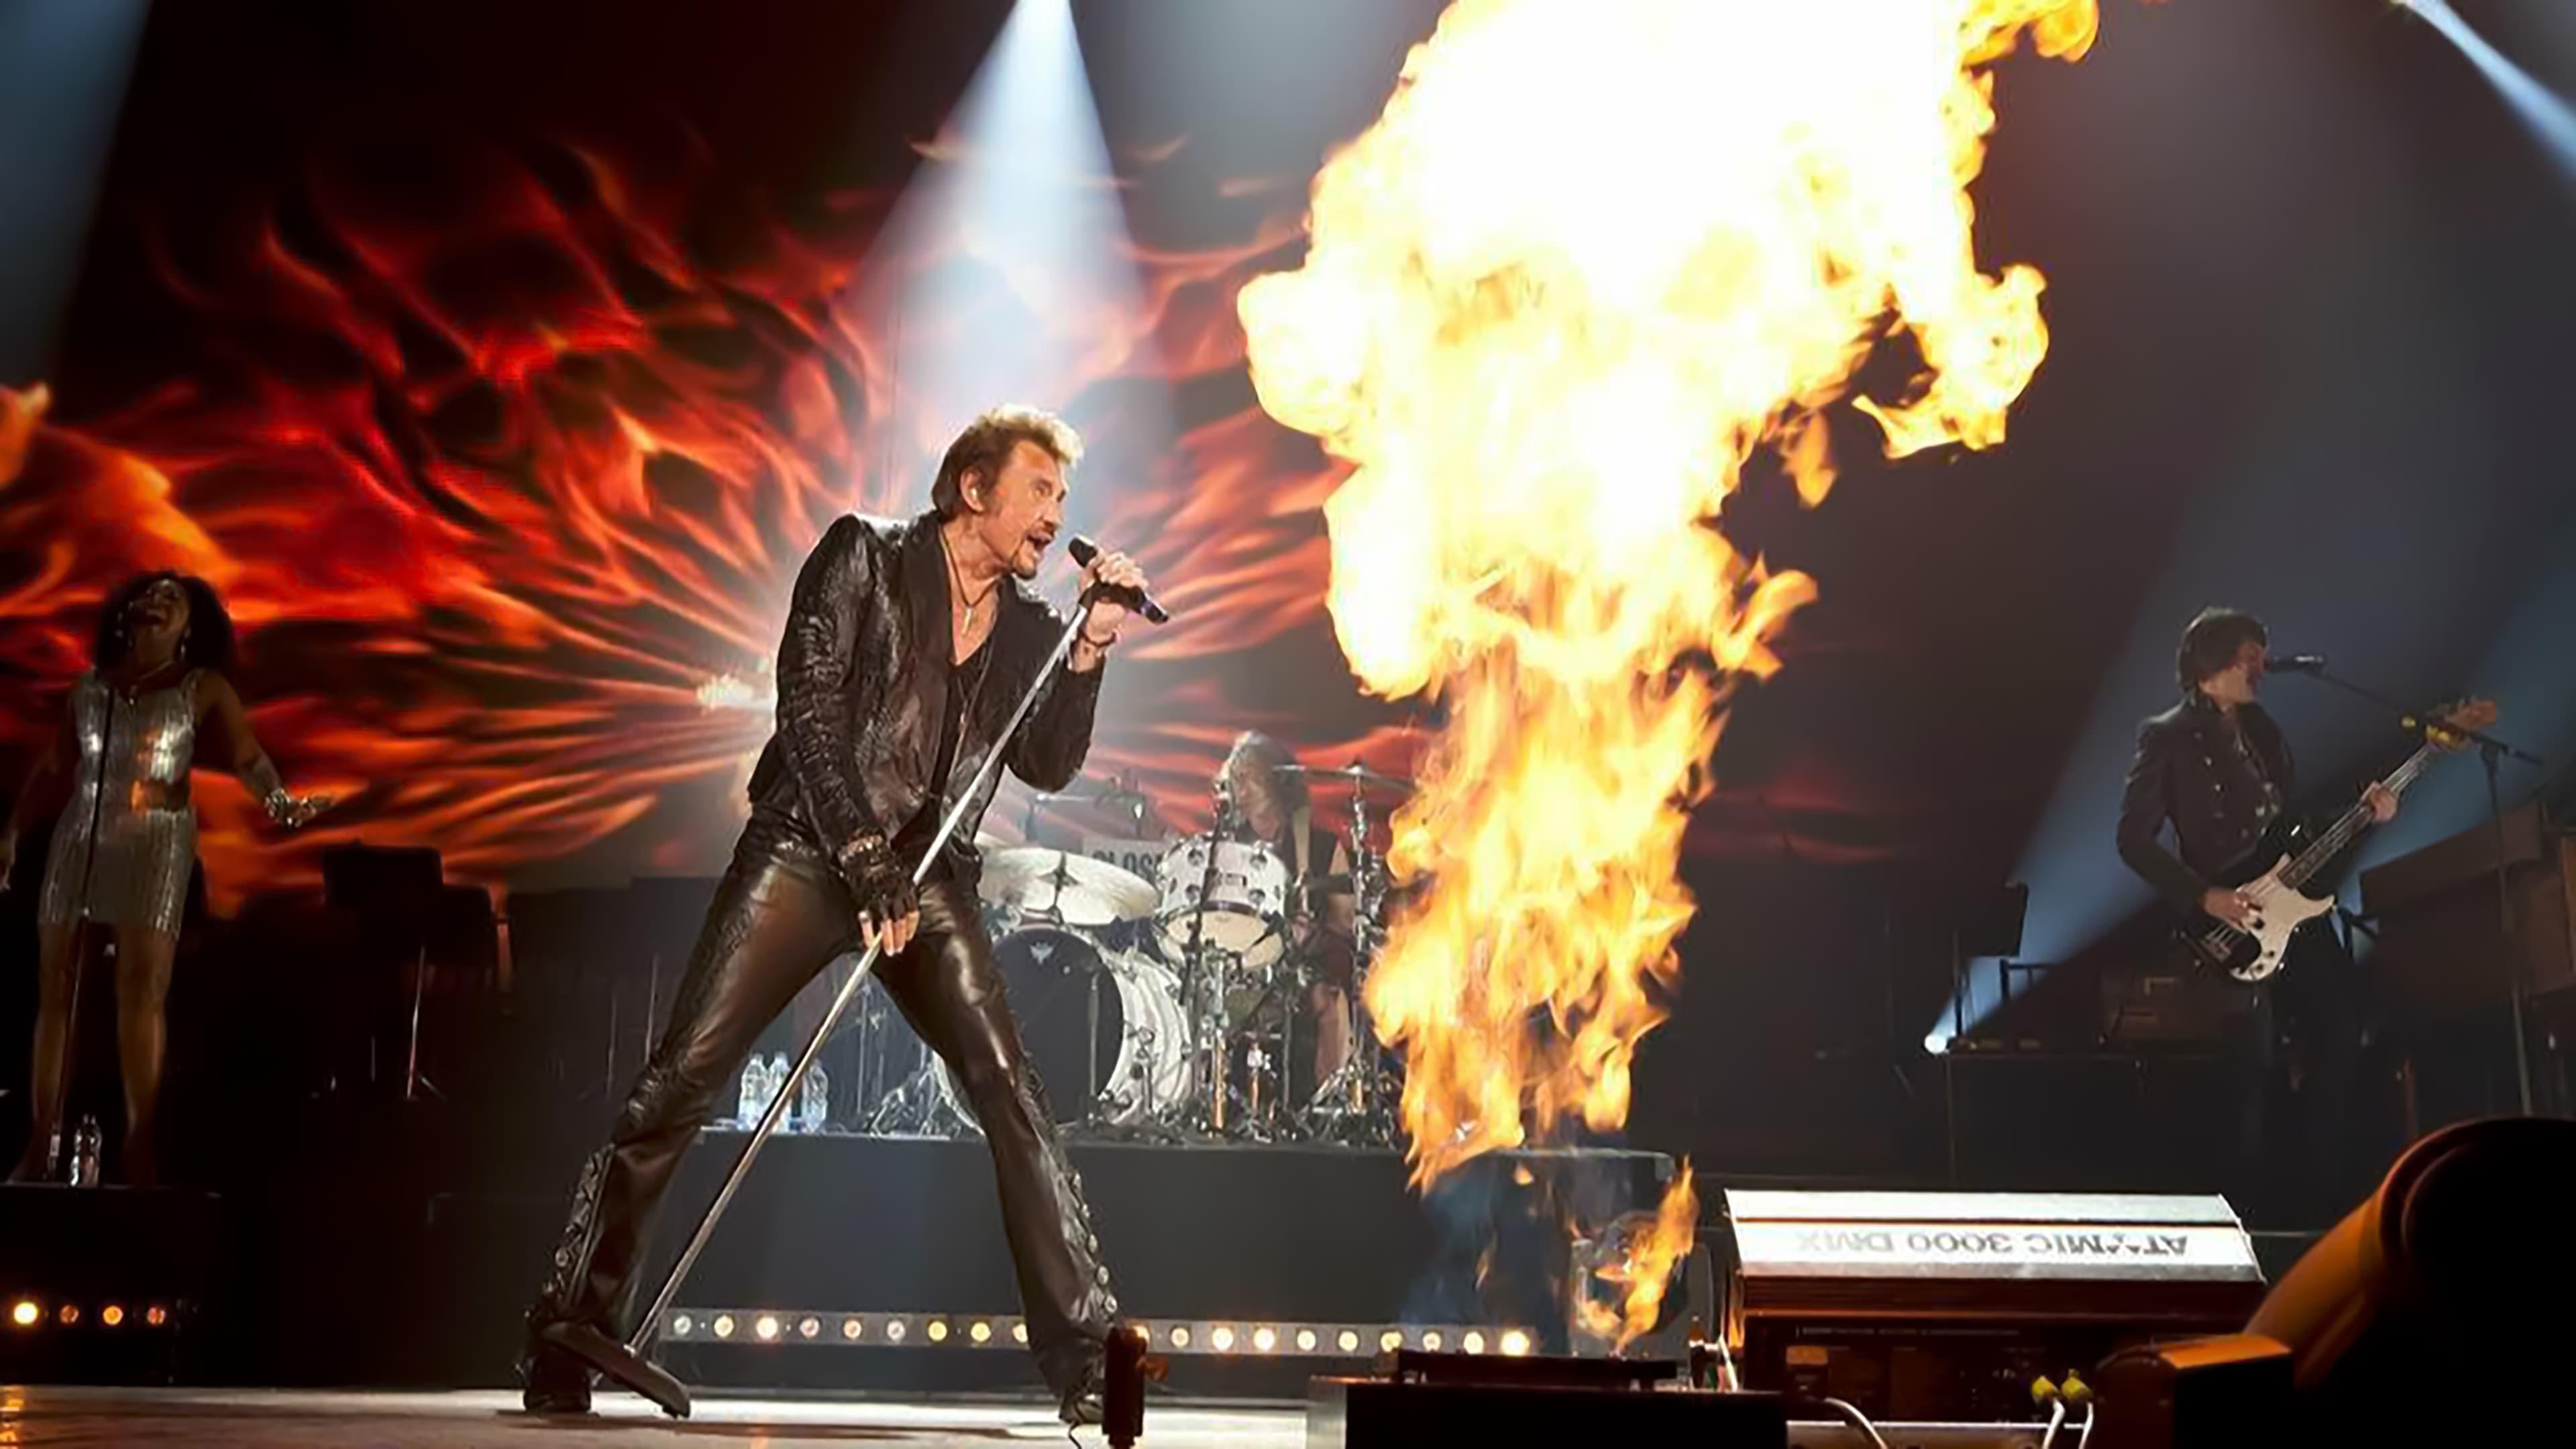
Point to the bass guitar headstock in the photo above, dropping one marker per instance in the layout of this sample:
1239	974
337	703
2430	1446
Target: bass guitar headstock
2452	726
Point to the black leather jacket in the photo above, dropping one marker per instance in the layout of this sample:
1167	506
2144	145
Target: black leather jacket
863	680
2220	787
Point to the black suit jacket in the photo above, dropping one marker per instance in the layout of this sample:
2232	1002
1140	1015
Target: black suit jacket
2219	787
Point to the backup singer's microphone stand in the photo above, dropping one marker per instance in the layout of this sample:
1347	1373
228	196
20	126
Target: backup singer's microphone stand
626	1362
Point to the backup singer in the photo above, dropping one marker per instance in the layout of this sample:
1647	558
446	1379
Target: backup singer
907	644
2218	769
126	840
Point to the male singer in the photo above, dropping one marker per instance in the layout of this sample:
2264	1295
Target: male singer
907	645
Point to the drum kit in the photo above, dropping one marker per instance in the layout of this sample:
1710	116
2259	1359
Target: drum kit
1177	1009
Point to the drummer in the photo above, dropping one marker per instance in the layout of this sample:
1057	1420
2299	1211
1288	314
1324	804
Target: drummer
1271	805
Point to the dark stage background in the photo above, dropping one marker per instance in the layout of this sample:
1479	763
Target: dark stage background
499	362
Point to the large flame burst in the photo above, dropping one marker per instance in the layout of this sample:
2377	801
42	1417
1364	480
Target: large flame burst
1590	261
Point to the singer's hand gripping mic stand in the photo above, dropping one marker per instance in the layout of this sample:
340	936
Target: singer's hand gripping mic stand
625	1362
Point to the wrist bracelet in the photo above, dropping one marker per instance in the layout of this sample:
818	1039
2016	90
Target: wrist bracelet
1102	645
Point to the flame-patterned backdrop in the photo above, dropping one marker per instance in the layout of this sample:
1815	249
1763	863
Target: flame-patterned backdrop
499	368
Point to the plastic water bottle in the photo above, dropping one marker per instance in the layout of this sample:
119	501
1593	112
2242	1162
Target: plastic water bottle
85	1153
775	1082
813	1100
746	1102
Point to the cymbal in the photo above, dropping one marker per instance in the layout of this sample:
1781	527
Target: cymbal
1091	787
1061	886
1356	773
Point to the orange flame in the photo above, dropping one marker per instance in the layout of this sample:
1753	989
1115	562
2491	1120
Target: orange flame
1556	299
1644	1268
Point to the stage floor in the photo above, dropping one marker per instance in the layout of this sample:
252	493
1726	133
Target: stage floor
283	1419
31	1418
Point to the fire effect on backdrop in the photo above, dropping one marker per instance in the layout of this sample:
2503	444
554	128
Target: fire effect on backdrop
506	492
1591	261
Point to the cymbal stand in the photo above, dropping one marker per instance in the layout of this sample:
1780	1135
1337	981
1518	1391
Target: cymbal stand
1199	996
1350	1105
1095	1091
869	1086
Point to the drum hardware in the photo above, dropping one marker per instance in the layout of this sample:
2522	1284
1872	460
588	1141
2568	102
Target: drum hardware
1122	1073
1039	886
1354	772
1233	892
868	1086
1194	997
918	1108
914	1106
1207	1079
1249	1058
1116	794
1222	908
1352	1106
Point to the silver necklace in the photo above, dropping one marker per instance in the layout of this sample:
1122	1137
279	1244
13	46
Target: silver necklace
957	576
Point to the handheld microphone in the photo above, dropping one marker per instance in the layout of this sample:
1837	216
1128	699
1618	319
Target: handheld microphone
2295	663
1084	551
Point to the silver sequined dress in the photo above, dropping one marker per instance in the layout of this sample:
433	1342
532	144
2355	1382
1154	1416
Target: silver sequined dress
128	839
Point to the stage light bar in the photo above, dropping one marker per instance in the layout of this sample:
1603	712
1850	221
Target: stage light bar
30	1313
1196	1337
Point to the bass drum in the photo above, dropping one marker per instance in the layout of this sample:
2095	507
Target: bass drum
1140	1041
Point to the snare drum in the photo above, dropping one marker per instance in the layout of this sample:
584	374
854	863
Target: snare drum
1246	913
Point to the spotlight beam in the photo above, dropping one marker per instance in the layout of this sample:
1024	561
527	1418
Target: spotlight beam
2547	116
1008	273
63	69
1007	262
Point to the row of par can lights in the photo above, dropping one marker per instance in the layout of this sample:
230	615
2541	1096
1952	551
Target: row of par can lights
29	1313
1195	1336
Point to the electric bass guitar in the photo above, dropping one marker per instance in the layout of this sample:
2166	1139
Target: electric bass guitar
2281	902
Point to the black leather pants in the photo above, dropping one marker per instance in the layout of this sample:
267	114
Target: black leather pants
780	916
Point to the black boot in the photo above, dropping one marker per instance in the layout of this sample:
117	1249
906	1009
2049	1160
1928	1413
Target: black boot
618	1363
1080	1402
555	1381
